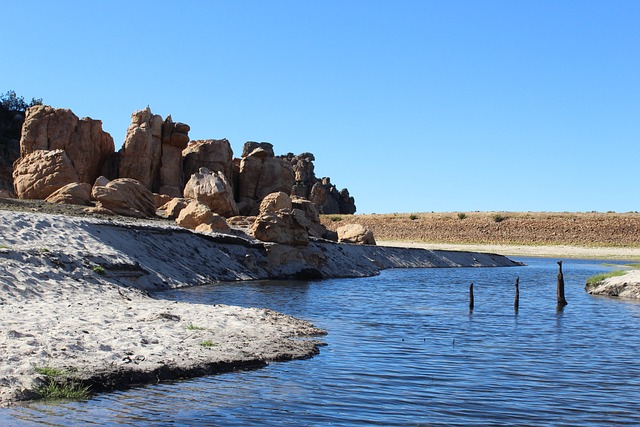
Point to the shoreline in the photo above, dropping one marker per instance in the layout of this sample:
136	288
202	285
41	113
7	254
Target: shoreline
79	295
533	251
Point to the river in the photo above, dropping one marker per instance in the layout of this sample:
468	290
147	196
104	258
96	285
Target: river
403	349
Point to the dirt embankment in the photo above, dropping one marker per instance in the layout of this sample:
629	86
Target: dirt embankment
506	228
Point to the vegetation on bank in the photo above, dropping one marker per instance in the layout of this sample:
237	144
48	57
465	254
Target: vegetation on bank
599	278
13	102
57	384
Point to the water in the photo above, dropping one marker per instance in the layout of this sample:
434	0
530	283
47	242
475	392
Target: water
404	350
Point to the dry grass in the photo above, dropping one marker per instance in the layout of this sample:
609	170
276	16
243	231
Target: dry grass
510	228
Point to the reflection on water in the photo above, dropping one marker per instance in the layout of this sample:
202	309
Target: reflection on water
403	349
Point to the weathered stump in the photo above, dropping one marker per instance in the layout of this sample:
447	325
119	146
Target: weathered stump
560	291
471	302
516	301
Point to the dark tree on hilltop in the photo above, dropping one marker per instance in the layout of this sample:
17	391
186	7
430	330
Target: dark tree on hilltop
13	102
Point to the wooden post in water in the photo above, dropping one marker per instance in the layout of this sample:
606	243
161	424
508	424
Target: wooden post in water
561	299
471	297
516	301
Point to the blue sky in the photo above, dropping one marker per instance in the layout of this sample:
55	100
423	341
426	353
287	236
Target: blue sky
414	106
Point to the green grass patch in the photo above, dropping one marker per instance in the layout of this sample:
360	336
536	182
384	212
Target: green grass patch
335	218
192	327
594	280
208	344
49	371
56	386
98	269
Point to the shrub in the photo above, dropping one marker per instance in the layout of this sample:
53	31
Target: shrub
499	218
335	218
413	217
462	215
99	270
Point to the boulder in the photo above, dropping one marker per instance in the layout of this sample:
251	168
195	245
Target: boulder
355	233
72	194
172	208
142	149
161	199
213	190
124	196
175	137
279	227
213	154
83	140
308	207
196	214
275	201
38	174
6	194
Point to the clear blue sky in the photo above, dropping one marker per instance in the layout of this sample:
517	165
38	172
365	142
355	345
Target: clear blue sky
412	105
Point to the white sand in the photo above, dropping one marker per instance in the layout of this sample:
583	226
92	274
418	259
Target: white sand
55	312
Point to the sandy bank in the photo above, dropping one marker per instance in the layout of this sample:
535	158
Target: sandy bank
547	251
74	295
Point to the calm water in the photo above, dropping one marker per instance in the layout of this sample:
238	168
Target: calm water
403	349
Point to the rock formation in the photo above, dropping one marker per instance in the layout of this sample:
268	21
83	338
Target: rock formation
320	191
260	174
75	193
38	174
213	154
85	143
175	137
213	190
123	196
141	152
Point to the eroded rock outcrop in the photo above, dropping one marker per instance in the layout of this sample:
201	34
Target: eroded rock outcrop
260	174
10	129
123	196
85	143
320	191
175	137
38	174
142	149
213	190
213	154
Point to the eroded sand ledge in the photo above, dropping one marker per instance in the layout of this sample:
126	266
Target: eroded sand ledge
74	296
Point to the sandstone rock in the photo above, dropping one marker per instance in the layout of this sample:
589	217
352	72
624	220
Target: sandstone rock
214	190
321	195
279	227
124	196
213	154
142	149
172	209
196	214
175	137
308	207
258	149
275	201
72	194
217	225
36	175
83	140
101	181
355	233
275	175
161	199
